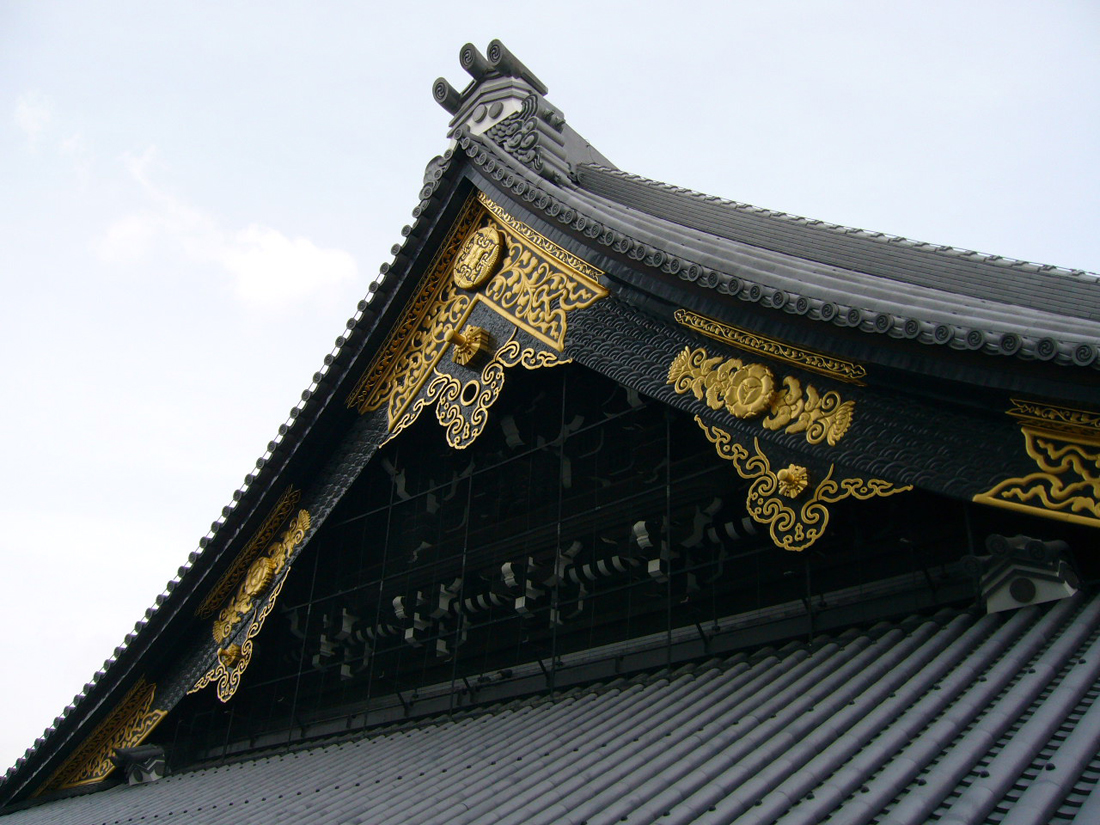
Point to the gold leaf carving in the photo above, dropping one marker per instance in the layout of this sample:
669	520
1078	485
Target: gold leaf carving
749	390
1056	419
260	574
790	527
127	726
1067	484
232	659
230	579
535	288
463	408
407	357
478	258
829	365
537	294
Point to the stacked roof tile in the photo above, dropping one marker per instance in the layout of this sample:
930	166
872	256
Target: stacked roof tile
954	718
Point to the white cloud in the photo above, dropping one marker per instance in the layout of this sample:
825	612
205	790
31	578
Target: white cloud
33	113
271	268
267	267
129	239
76	150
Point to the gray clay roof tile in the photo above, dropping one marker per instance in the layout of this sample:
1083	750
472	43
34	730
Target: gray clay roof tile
956	717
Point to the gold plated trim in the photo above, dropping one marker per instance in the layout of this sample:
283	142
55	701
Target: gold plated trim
1056	419
232	577
1067	485
414	345
232	658
750	390
127	726
535	285
567	259
828	365
478	258
768	496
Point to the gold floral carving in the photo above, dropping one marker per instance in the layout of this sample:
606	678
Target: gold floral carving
127	726
264	574
259	576
795	525
232	661
1066	486
807	359
535	286
413	347
478	258
750	390
1056	419
462	408
232	577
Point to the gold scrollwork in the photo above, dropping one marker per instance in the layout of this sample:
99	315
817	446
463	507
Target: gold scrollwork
1056	419
230	579
263	574
232	661
749	390
818	362
538	293
790	528
535	286
260	574
127	726
462	408
1067	484
406	358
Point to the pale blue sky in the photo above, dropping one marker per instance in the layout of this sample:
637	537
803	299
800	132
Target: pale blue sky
194	196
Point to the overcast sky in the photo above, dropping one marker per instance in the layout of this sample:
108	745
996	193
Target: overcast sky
193	197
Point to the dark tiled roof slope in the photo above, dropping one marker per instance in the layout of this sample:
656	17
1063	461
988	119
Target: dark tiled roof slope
869	281
954	718
1004	280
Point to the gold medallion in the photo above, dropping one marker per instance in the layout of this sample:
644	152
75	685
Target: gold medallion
478	258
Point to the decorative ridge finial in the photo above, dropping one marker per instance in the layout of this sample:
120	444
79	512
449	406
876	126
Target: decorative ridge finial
500	84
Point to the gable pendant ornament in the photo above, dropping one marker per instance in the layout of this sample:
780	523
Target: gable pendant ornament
787	501
255	596
498	295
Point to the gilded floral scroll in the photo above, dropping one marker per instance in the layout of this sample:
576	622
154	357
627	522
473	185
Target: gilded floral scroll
261	583
1064	443
489	260
751	390
127	726
781	499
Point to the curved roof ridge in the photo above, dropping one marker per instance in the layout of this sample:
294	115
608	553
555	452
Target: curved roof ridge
882	237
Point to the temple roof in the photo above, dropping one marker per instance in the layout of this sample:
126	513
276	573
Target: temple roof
951	717
877	283
658	240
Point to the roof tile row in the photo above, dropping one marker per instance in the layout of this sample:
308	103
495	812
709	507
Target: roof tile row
956	717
